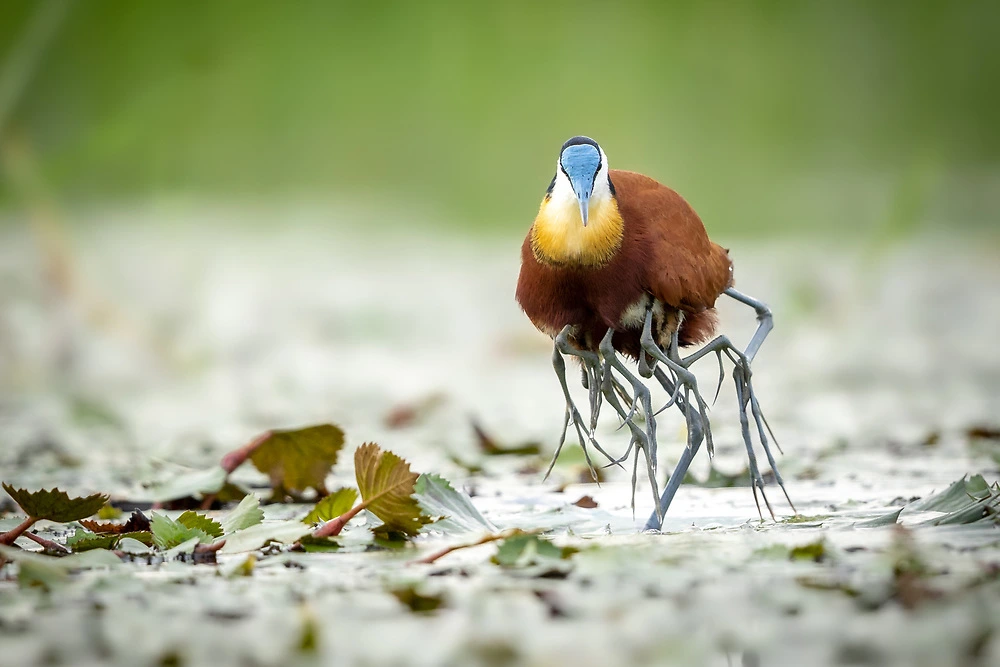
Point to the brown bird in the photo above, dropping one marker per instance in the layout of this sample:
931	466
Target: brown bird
615	263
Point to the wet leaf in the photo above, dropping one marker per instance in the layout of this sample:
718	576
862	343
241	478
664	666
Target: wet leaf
254	537
525	550
586	502
299	459
56	505
387	485
168	533
50	571
416	601
245	515
437	497
337	503
490	447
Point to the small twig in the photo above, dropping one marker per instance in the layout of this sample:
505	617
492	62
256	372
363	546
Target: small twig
11	535
48	545
493	537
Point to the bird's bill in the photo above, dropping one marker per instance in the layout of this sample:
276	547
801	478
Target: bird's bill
584	208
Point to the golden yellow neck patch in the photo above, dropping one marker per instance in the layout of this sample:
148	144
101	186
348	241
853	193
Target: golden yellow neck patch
559	237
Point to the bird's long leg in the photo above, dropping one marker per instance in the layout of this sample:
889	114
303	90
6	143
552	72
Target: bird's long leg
697	421
641	439
592	370
765	321
655	521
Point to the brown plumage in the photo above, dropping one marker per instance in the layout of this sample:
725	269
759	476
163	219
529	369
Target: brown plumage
664	259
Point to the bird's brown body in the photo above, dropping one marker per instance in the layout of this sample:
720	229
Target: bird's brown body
664	260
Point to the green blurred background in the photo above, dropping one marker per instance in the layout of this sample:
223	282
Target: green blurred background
854	117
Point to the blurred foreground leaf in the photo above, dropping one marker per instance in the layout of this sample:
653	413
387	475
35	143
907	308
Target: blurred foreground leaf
387	485
55	505
417	602
299	459
339	502
525	550
50	571
438	498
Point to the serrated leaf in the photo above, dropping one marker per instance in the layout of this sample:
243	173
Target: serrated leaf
168	533
332	506
386	485
56	505
192	519
257	536
437	497
246	514
299	459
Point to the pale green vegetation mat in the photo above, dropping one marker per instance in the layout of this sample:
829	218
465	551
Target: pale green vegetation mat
202	399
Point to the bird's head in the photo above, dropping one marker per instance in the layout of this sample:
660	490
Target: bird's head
582	174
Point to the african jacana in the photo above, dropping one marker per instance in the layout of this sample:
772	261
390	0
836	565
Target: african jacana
615	263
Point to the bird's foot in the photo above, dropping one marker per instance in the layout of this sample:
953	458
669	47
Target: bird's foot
747	398
593	381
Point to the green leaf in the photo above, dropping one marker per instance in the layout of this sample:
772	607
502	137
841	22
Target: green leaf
298	459
192	519
254	537
437	497
387	485
246	514
84	540
319	544
168	533
525	550
56	505
814	551
332	506
417	602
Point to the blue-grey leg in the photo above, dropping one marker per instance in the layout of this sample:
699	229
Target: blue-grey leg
592	371
644	440
745	396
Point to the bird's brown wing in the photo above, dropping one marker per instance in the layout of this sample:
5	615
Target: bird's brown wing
683	267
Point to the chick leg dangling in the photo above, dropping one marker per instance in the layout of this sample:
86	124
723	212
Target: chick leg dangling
593	382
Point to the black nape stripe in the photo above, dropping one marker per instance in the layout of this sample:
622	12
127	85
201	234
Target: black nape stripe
548	190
